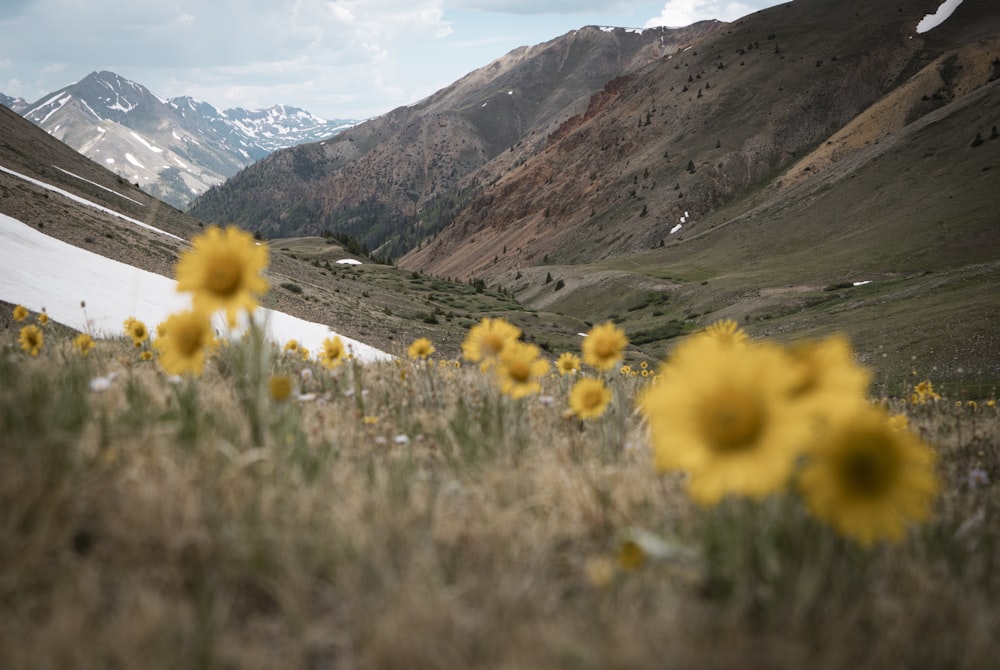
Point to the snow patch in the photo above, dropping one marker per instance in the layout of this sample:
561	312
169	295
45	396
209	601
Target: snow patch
40	271
676	228
132	159
348	261
145	143
931	21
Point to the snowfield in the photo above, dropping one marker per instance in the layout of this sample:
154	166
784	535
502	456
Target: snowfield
94	294
91	293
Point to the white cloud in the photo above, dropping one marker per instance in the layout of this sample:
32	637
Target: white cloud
678	13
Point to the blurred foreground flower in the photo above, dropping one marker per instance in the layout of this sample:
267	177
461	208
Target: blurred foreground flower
223	271
31	339
137	331
520	368
589	398
724	415
420	348
604	346
568	363
333	352
868	479
84	344
279	387
186	340
487	339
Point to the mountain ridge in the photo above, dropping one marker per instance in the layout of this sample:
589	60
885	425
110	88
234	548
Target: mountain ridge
174	148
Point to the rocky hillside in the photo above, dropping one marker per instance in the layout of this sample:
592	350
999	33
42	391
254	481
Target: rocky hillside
782	97
392	180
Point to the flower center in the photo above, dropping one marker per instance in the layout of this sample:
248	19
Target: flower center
223	276
519	371
732	421
869	467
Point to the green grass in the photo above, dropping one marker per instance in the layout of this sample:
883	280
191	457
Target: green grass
410	515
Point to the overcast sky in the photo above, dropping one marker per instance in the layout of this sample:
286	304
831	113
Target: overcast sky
348	59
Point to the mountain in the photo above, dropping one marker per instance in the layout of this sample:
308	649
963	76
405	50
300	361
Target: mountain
390	180
776	109
174	149
17	104
815	167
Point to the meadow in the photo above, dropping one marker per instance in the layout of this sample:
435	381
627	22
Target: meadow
172	498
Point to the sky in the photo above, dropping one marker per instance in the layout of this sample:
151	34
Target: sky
39	271
339	59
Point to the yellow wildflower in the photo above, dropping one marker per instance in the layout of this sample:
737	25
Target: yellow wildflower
280	387
724	415
589	398
604	346
185	342
223	271
487	339
568	363
420	348
31	339
520	368
333	352
20	313
868	479
84	343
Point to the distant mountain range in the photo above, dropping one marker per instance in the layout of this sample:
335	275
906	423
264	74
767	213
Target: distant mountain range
173	149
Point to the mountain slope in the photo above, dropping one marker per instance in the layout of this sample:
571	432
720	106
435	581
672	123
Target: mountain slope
174	149
383	179
659	151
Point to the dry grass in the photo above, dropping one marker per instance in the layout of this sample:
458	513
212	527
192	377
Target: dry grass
410	516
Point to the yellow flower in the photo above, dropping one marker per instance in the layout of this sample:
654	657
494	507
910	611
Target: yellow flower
31	339
186	340
726	332
898	422
291	346
520	369
146	356
568	363
625	370
829	382
370	420
420	348
137	331
991	403
868	479
304	353
20	313
589	398
333	352
43	317
280	387
923	393
724	415
84	343
604	346
631	555
223	270
487	339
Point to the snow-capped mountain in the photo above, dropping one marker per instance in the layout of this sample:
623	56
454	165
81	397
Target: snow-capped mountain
17	104
173	149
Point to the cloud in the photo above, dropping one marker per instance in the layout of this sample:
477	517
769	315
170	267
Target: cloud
685	12
553	7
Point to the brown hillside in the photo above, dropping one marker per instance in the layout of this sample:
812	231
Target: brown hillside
711	126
